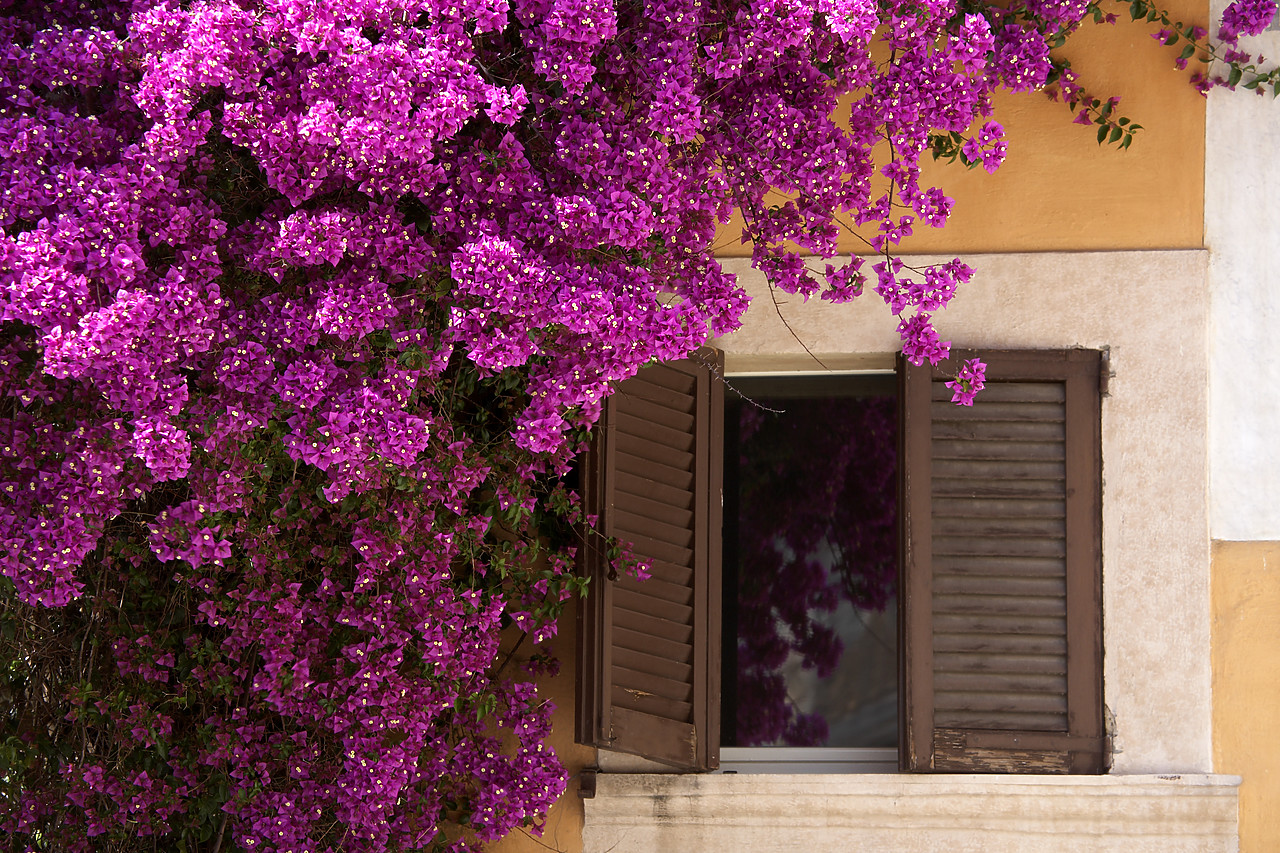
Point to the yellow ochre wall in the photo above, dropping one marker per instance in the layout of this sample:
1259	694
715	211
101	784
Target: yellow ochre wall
1061	191
563	830
1246	683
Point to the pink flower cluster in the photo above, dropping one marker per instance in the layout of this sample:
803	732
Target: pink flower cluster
970	379
306	308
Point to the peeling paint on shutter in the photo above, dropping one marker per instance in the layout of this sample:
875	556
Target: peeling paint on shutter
1002	622
649	661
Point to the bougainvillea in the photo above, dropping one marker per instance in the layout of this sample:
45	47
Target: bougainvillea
306	307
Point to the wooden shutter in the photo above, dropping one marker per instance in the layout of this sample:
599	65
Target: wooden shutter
1001	604
649	679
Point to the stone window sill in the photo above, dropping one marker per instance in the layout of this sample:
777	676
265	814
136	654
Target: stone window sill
876	813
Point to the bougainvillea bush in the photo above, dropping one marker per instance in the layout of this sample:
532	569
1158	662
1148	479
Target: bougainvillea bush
305	309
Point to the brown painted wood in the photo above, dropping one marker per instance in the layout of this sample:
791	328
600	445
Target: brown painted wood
1002	568
649	683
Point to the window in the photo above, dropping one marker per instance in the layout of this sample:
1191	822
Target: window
999	589
810	569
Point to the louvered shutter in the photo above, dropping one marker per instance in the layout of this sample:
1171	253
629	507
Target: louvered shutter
650	650
1001	611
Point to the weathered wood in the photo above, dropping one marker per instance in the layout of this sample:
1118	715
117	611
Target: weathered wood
1001	618
649	683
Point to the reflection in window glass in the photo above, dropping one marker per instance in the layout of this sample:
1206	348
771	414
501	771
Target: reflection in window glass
810	630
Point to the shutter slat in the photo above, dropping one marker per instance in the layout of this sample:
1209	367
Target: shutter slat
651	528
999	605
638	699
655	587
680	419
978	623
998	564
984	471
975	584
992	702
648	452
633	426
988	409
999	546
646	641
662	570
1001	391
1012	487
641	623
1015	526
644	507
654	549
632	681
1029	451
658	609
1004	431
674	494
966	507
1023	684
639	661
1007	663
661	384
1017	721
1004	645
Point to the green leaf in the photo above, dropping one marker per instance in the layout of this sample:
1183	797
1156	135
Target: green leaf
1234	77
1187	52
1116	133
1102	134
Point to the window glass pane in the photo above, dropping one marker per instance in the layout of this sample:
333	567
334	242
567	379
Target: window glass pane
810	645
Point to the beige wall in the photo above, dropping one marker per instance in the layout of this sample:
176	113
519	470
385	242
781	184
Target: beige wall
1246	683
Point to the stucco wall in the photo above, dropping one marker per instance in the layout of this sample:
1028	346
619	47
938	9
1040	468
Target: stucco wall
1059	190
1246	683
1242	231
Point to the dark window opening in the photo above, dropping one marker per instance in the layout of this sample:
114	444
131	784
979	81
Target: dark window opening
810	562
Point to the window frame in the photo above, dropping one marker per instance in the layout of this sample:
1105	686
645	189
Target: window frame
1082	749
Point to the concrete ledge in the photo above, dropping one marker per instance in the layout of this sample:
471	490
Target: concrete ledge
665	813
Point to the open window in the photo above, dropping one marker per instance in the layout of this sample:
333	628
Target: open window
998	563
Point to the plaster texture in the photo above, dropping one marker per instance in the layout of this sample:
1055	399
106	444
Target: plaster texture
1059	190
1246	682
1242	231
920	814
563	829
1150	310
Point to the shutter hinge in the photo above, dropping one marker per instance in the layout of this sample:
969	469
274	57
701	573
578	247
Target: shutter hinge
587	783
1104	373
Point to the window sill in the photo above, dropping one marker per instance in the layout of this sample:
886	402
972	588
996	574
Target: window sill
879	813
791	759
